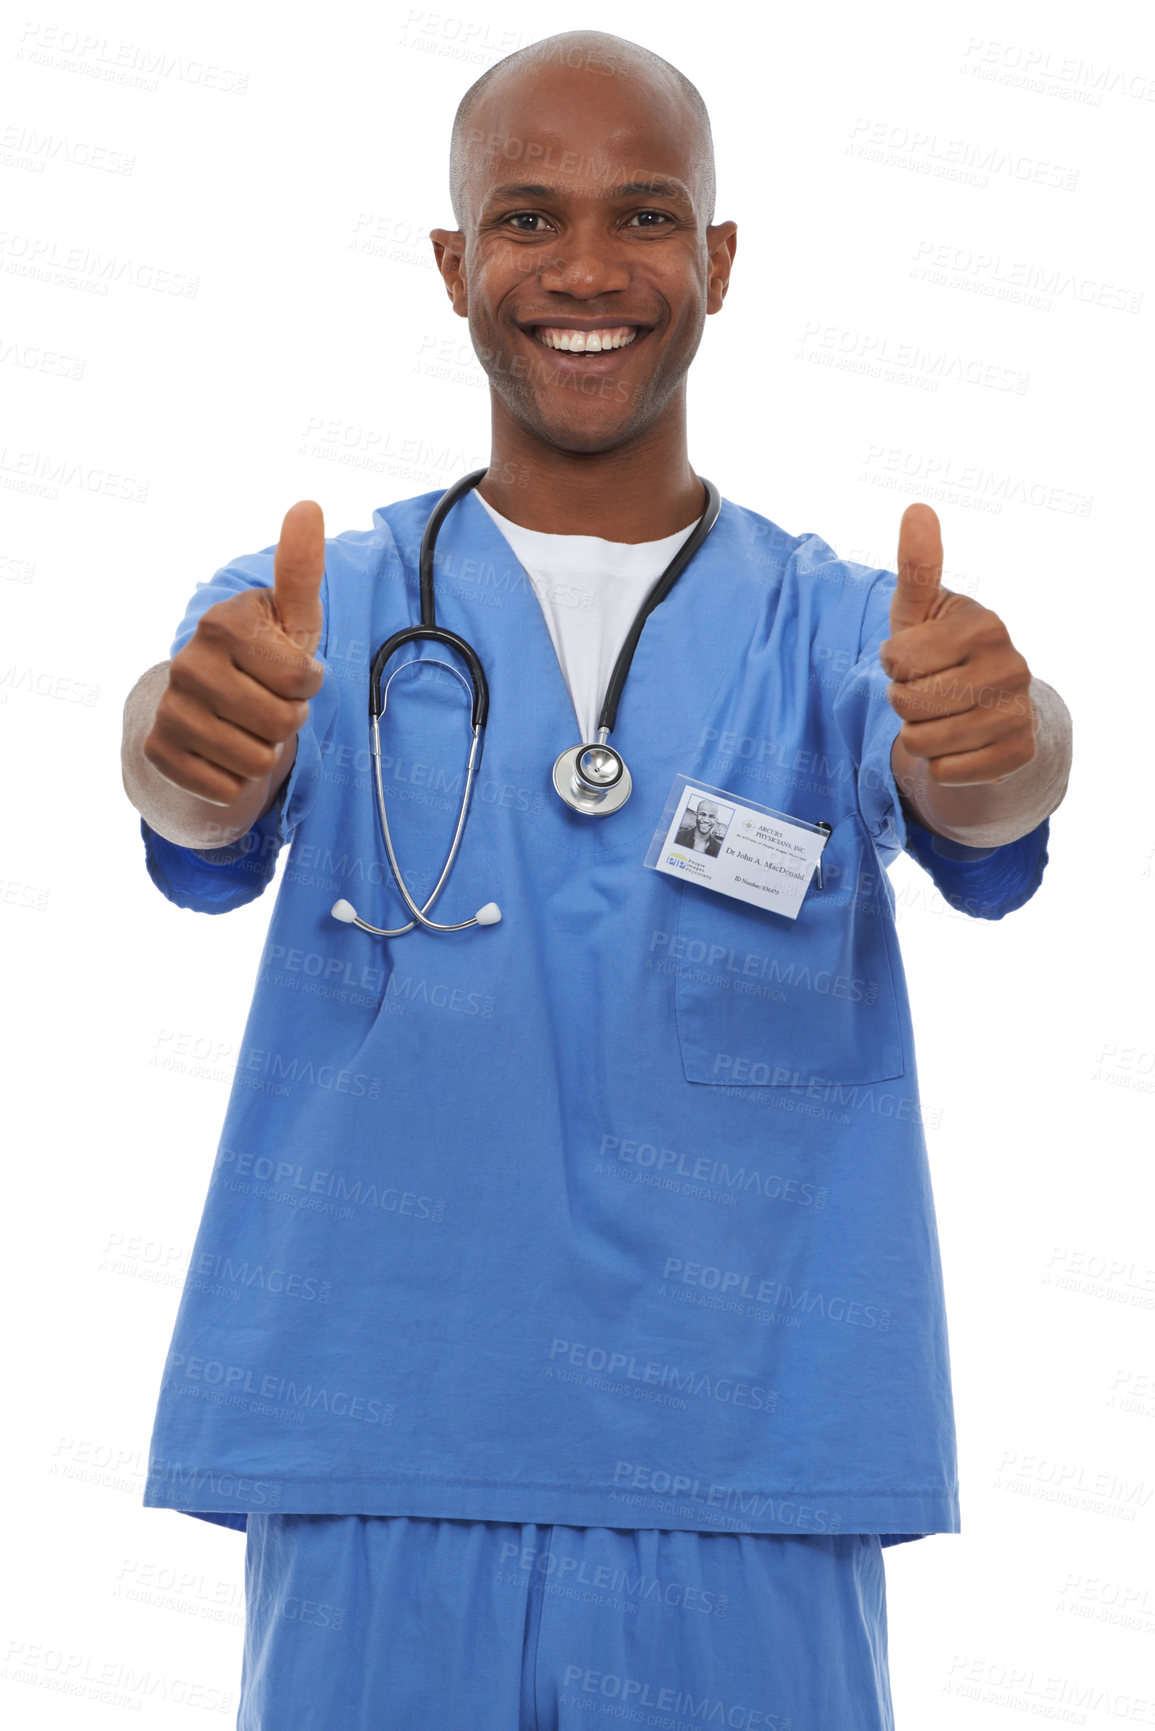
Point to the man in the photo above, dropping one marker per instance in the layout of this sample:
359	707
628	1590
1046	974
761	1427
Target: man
565	1323
701	829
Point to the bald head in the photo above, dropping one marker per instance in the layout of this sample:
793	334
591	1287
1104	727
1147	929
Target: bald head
590	54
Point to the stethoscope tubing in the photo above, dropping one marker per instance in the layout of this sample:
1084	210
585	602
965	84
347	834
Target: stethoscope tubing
429	540
609	716
662	586
420	913
478	687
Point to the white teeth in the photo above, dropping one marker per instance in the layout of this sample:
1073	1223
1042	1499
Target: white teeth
585	342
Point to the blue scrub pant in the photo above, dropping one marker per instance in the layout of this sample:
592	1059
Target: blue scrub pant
393	1623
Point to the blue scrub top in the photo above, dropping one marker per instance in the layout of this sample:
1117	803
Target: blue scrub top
617	1213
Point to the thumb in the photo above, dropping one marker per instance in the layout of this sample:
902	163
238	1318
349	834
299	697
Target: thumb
298	567
919	567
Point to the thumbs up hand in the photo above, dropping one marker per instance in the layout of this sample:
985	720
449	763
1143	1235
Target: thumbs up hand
237	695
957	680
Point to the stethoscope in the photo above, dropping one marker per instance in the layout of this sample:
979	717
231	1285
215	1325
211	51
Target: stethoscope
591	778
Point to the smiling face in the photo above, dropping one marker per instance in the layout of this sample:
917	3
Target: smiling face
705	817
585	266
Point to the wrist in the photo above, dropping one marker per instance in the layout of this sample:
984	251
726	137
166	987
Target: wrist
990	814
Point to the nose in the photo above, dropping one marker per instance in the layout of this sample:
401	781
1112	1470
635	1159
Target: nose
585	262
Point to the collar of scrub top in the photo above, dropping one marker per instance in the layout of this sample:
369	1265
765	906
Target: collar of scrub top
590	777
430	630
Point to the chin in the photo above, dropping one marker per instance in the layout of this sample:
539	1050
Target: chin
582	440
552	422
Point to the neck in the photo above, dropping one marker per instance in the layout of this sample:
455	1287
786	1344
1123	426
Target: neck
642	490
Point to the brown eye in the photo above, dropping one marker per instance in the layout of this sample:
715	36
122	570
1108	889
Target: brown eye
524	216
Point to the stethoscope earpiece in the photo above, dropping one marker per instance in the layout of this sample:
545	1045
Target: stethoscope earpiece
344	911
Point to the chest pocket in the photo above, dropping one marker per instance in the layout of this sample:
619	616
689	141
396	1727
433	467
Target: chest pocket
765	1001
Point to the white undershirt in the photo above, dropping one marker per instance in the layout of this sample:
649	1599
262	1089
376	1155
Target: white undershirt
590	591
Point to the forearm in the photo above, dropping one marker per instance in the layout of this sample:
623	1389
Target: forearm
989	814
178	816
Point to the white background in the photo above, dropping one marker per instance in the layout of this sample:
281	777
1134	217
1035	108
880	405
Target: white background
299	351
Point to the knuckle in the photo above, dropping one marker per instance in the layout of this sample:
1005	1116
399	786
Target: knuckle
153	752
987	632
288	722
183	714
265	756
215	626
302	683
186	675
164	725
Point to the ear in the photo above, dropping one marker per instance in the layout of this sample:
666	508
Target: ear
721	244
449	252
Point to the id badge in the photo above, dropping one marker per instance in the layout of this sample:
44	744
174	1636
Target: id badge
752	852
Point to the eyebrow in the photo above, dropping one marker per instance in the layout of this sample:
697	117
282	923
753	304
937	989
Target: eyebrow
651	188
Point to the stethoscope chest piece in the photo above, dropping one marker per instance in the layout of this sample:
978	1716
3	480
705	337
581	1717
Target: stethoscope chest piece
593	779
